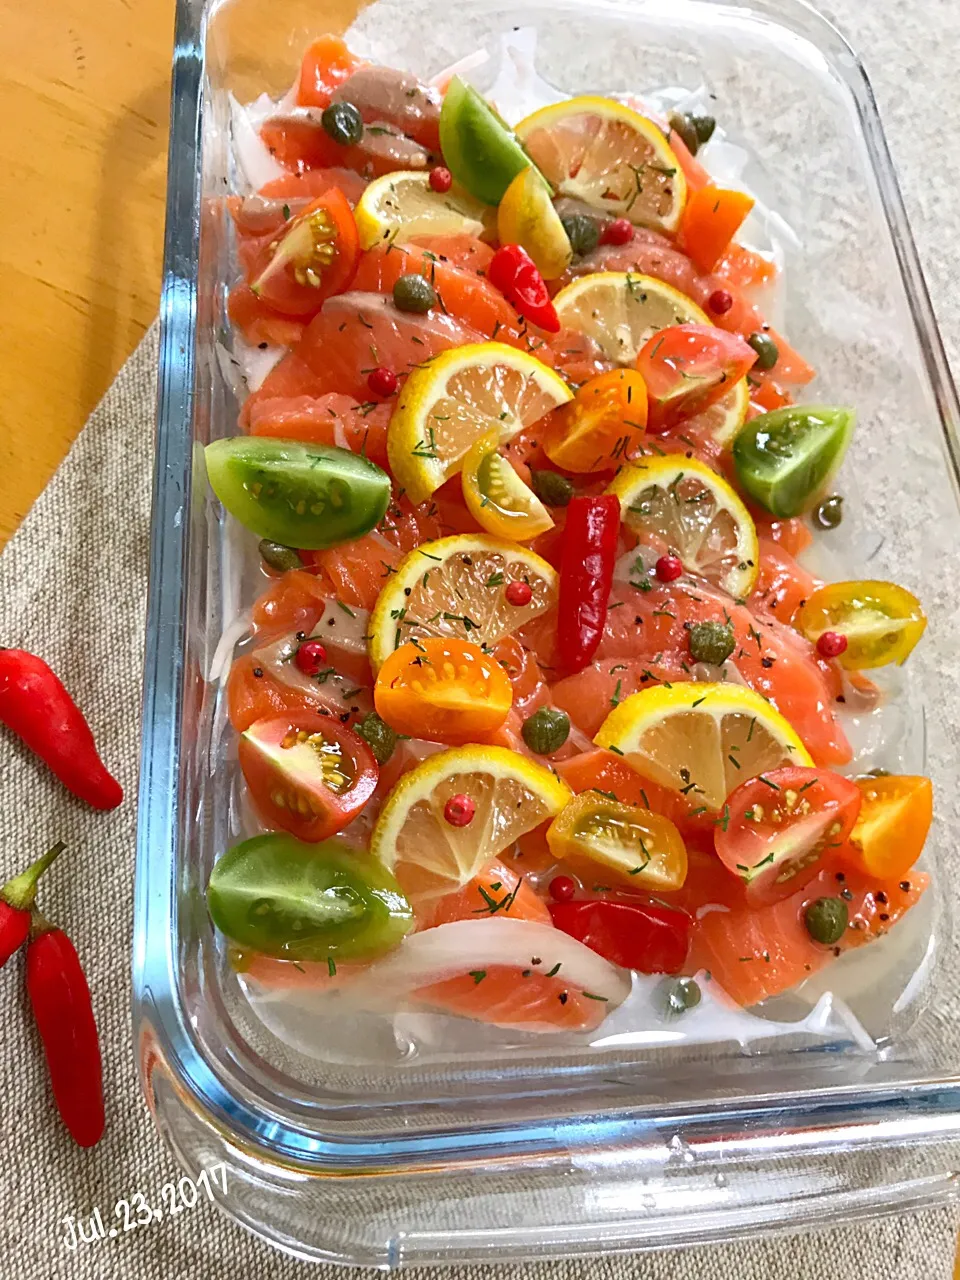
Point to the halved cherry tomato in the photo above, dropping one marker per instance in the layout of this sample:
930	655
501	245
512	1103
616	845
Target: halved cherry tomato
687	368
777	828
601	426
712	217
326	65
622	842
880	621
497	498
315	257
893	824
443	690
309	774
645	936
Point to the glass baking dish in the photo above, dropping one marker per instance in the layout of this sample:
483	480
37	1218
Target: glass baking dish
512	1150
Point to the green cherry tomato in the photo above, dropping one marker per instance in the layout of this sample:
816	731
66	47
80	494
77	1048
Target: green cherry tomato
785	459
480	150
294	901
301	495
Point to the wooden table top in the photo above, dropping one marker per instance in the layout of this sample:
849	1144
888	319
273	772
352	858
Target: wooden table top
84	102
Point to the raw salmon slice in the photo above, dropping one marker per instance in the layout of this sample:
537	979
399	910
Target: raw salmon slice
328	419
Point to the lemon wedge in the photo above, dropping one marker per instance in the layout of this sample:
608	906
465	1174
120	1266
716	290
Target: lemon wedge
527	217
399	206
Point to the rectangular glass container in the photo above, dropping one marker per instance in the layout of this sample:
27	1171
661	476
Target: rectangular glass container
517	1150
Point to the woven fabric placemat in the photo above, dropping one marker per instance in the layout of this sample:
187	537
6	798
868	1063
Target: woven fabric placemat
73	586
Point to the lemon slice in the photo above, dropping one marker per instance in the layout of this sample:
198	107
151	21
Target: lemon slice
702	740
621	310
459	396
458	587
497	498
399	206
682	503
723	419
430	856
610	156
526	216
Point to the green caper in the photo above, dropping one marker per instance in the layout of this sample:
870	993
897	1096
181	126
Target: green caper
343	122
685	127
711	642
704	126
767	351
829	513
582	232
378	735
546	730
826	919
277	556
552	488
414	293
677	997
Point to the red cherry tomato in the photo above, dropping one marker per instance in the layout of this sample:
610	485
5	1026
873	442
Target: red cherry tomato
637	935
779	826
687	368
309	774
315	257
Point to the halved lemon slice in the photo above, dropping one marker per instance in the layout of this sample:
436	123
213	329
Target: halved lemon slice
702	740
610	156
622	310
460	587
431	856
497	498
722	420
459	396
526	216
680	505
401	205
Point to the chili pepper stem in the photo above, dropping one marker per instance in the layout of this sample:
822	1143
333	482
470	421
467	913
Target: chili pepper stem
39	924
20	892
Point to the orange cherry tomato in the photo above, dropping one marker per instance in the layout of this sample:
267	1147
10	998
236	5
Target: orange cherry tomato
601	426
687	368
314	258
443	690
712	217
892	828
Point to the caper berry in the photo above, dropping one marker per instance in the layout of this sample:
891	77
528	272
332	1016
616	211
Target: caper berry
677	997
277	556
343	122
546	730
704	126
685	127
767	351
582	232
552	488
711	642
378	735
414	293
829	513
826	919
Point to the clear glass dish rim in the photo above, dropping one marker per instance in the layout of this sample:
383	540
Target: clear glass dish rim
921	1111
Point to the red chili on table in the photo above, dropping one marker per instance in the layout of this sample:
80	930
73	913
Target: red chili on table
16	903
586	575
515	274
37	707
60	1000
636	935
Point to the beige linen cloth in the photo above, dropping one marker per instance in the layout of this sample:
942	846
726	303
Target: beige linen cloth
73	584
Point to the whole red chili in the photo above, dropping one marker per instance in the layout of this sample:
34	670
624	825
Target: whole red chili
36	706
16	903
60	1000
586	574
515	274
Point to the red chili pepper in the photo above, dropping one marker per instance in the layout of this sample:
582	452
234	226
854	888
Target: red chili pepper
60	999
636	935
36	706
515	274
586	575
16	903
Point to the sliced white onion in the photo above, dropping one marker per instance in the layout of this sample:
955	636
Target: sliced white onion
254	364
233	633
257	165
459	68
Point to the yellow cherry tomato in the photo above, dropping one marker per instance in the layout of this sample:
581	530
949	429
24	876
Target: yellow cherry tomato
622	842
892	828
526	217
880	622
497	498
602	426
443	690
